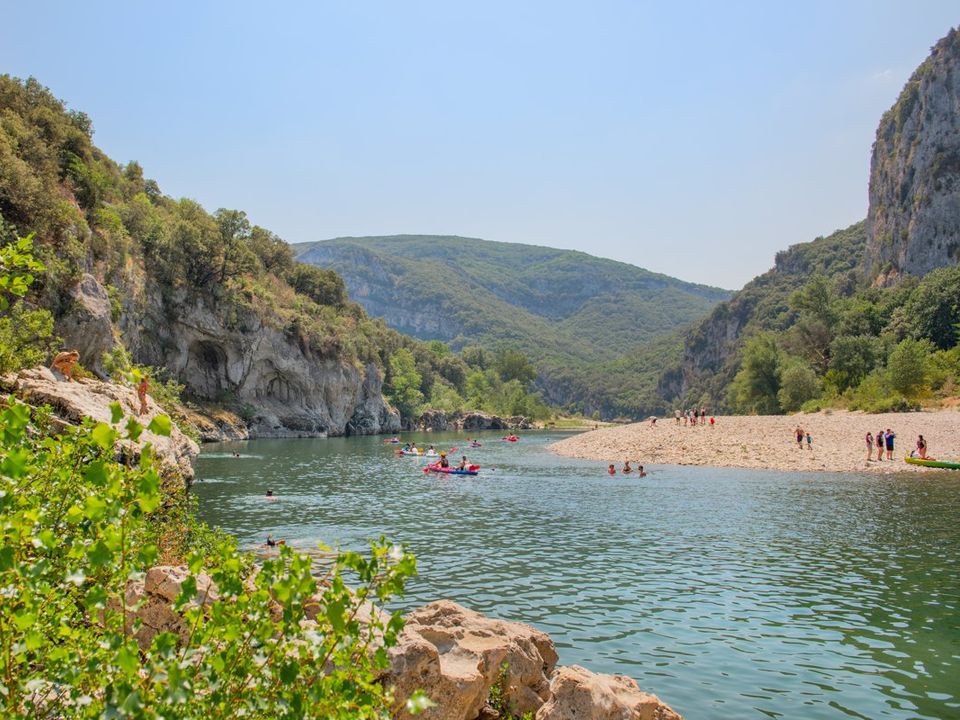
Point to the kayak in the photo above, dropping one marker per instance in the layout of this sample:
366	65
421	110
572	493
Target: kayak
511	438
943	464
393	441
409	452
476	445
470	470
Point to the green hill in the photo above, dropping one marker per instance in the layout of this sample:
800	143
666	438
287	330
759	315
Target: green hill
571	312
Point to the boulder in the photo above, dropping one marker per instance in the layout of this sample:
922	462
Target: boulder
71	402
87	325
433	420
481	421
456	656
578	694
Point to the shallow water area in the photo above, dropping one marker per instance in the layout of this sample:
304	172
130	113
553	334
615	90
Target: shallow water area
724	591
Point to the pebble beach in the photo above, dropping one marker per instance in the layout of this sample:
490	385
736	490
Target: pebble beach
768	442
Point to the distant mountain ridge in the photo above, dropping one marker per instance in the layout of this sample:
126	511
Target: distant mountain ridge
561	307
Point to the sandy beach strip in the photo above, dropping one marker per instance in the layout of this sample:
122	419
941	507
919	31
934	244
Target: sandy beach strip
767	441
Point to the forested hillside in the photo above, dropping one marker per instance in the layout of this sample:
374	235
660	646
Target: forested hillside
867	317
581	319
211	302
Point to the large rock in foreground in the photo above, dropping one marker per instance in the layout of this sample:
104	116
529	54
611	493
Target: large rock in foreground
456	656
578	694
71	402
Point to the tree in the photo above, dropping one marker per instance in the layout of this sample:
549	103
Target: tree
323	286
235	255
26	334
404	383
933	309
798	384
755	387
514	365
907	366
851	360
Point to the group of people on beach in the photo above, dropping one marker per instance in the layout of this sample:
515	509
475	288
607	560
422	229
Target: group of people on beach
692	417
883	440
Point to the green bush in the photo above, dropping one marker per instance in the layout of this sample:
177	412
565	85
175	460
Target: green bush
77	527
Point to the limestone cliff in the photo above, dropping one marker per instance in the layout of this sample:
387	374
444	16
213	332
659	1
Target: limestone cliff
914	216
286	387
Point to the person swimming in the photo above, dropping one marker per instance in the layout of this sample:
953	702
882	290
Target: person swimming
626	467
274	543
611	470
640	471
270	495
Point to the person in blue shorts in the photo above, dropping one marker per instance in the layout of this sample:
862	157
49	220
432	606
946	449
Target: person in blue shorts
888	438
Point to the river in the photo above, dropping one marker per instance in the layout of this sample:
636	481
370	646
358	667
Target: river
734	593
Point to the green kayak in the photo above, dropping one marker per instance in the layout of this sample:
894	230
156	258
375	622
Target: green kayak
945	464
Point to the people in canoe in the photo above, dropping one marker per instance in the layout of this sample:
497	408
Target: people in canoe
510	438
463	463
394	440
274	543
444	463
431	452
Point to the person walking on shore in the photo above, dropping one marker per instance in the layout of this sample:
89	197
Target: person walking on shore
888	439
869	446
880	445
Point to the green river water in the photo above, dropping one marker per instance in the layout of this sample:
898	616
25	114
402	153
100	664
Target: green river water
733	593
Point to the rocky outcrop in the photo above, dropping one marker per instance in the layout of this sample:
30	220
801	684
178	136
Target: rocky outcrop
285	387
71	402
438	421
455	655
914	215
578	694
87	324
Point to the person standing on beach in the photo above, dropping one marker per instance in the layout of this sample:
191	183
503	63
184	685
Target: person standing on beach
809	442
922	447
888	439
880	445
869	446
799	433
676	414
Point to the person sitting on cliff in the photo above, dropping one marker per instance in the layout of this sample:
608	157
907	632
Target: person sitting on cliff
444	463
142	393
626	467
64	363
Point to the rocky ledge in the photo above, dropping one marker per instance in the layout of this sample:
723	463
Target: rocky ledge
439	421
456	656
71	402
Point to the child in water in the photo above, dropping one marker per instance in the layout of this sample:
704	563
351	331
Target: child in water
611	470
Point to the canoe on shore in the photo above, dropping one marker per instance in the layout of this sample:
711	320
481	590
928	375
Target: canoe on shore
943	464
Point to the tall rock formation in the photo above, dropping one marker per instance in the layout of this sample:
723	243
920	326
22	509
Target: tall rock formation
914	218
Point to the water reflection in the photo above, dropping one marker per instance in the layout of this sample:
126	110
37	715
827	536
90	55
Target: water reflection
747	593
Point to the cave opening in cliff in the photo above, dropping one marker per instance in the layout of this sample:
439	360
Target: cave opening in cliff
206	371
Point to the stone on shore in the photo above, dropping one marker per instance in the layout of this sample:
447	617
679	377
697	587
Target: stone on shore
578	694
455	656
71	402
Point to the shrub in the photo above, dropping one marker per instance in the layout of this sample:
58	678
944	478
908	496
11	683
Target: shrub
77	526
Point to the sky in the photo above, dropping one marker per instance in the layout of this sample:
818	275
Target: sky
691	138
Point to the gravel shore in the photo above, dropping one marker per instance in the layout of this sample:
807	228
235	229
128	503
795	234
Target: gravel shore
767	441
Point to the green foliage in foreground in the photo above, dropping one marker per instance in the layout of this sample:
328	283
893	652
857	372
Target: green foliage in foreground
77	527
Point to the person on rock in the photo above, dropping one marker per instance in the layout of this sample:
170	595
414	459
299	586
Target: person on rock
64	363
142	393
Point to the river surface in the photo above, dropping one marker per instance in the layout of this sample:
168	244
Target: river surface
729	593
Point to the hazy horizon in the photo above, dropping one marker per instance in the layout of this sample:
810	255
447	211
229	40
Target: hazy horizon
692	140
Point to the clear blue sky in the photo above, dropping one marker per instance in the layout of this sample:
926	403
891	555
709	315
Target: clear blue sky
695	139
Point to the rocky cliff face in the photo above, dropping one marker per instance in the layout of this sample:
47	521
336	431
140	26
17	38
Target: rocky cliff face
286	388
914	216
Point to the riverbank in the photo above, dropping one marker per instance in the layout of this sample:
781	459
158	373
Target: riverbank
767	441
